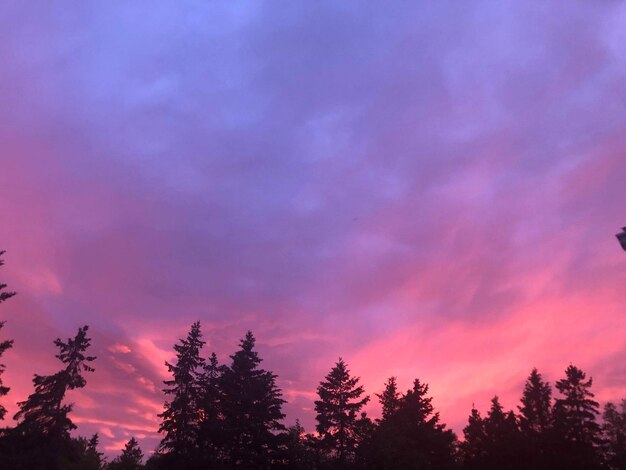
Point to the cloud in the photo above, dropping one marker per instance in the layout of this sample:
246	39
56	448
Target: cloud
422	189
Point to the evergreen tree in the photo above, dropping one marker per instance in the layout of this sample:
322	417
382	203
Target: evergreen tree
474	446
492	442
536	422
6	344
299	451
83	456
536	409
576	429
43	412
337	413
211	426
130	459
389	399
411	436
252	410
181	415
614	433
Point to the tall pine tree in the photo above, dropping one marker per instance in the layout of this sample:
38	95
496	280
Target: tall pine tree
43	412
211	426
536	422
181	415
614	434
576	429
252	410
5	344
410	436
337	413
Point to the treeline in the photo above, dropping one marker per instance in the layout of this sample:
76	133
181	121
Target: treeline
229	416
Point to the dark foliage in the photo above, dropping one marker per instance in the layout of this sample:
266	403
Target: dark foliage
130	459
338	420
409	435
4	344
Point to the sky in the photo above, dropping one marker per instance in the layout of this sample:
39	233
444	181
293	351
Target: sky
426	189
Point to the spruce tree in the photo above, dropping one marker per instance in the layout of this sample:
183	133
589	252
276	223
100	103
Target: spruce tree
211	425
130	459
251	408
411	436
614	434
5	344
389	399
474	446
337	413
181	415
43	412
576	430
536	422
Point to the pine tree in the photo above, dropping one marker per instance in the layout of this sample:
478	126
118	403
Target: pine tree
576	428
211	426
130	459
43	412
389	399
492	442
474	446
411	435
181	415
337	409
252	409
536	422
4	345
614	433
536	409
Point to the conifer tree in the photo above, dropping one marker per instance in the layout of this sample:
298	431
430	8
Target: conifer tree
389	399
337	413
614	434
211	425
575	424
474	446
181	415
130	459
536	422
5	344
536	409
43	412
411	436
252	409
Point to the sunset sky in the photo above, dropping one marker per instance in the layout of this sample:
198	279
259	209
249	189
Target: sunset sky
426	189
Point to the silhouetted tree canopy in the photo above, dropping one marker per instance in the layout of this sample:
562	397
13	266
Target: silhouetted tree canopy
338	407
409	435
251	408
576	430
130	459
181	415
43	411
4	344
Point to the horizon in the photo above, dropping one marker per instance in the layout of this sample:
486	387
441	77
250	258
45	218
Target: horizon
427	191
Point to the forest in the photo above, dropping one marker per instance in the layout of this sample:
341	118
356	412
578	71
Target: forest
223	416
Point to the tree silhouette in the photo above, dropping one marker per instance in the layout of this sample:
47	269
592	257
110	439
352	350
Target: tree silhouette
337	409
389	399
536	421
474	446
43	412
211	425
181	415
410	436
252	409
6	344
614	433
130	459
576	429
